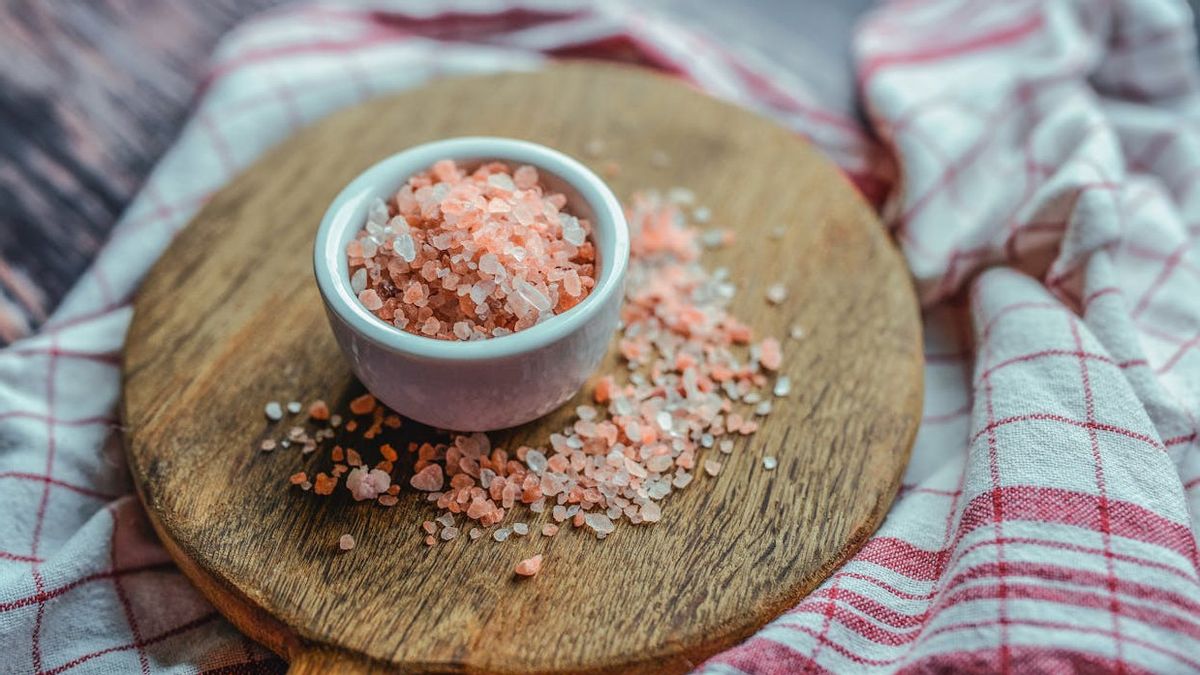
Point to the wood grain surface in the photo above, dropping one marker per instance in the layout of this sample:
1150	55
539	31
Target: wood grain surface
230	318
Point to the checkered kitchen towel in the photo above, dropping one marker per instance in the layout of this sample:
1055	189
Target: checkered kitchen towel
1043	190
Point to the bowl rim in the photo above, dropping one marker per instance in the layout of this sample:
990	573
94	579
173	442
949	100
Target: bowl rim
383	178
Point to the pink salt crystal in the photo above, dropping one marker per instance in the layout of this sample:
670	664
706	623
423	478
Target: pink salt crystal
429	479
370	299
549	529
267	445
365	484
772	355
712	467
529	567
346	542
454	237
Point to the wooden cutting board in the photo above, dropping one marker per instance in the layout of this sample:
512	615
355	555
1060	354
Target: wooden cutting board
230	318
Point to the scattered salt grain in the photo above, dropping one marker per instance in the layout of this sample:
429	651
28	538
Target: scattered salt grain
599	522
770	462
712	467
702	214
776	293
475	533
346	542
594	147
796	332
520	529
763	408
274	411
294	407
449	533
726	446
429	479
549	529
267	445
529	567
500	534
783	386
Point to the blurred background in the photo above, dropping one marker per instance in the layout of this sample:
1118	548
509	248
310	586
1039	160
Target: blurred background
93	91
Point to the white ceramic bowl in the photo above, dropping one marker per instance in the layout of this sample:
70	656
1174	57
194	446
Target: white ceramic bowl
484	384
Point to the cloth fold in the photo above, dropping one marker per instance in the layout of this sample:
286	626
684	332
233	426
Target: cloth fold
1035	161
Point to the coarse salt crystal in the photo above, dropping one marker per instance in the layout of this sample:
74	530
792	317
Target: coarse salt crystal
599	522
776	293
529	567
294	407
346	542
520	529
274	411
712	467
770	462
783	386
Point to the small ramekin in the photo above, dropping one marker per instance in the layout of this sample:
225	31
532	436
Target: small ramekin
485	384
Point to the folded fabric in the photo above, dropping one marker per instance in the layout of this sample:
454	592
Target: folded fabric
1035	161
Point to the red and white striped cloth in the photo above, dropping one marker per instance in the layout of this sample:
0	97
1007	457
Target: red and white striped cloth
1043	189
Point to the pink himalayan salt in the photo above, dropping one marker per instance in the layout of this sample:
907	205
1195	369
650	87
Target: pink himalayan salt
772	355
684	394
459	255
365	484
529	567
620	461
346	542
429	479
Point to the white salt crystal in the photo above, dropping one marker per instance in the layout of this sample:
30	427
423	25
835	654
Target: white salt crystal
293	407
702	214
535	460
783	386
726	446
502	181
358	281
520	529
681	195
651	512
664	420
449	533
404	247
573	232
274	411
797	331
500	534
770	463
776	293
763	408
378	212
490	264
599	522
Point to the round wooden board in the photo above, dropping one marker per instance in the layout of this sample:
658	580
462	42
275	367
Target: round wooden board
230	318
